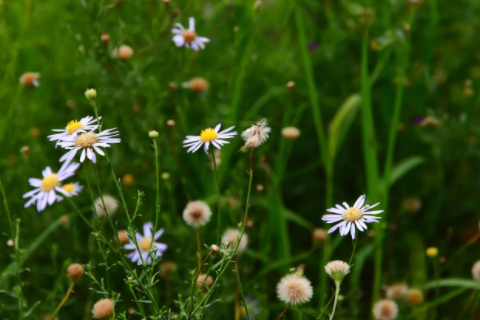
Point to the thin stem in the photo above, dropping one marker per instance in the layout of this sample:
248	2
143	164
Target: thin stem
199	251
64	300
353	251
18	260
284	311
157	187
5	203
218	198
337	291
239	289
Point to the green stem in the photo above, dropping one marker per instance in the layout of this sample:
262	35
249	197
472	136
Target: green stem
7	209
18	260
353	251
64	300
240	288
337	291
157	189
218	198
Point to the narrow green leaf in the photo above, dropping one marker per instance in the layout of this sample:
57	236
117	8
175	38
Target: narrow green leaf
404	167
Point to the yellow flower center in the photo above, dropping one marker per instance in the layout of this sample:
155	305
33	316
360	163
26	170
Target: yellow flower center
353	214
208	135
86	140
74	126
145	244
189	36
68	187
49	183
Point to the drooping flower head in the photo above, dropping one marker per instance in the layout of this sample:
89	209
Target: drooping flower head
73	129
207	137
294	289
351	217
256	134
145	243
46	188
197	213
188	37
88	142
385	310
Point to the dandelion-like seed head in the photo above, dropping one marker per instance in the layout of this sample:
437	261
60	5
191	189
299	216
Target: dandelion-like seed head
353	214
122	236
75	271
397	291
50	182
110	204
68	187
10	243
104	309
291	133
123	52
208	135
197	213
145	244
198	84
385	310
319	234
294	289
230	236
204	278
256	134
337	269
189	36
86	140
170	122
414	297
476	270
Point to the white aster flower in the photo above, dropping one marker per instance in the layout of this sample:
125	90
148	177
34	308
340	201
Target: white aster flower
73	189
74	128
87	142
256	134
188	37
351	216
145	244
208	136
45	188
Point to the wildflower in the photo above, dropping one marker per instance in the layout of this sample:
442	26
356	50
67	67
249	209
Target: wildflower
204	278
197	213
111	205
294	289
337	270
91	94
291	133
208	136
165	175
351	216
104	309
73	189
123	52
88	142
256	134
170	123
414	297
230	236
145	243
188	37
25	150
153	134
45	188
105	37
397	291
197	84
73	129
259	187
10	243
476	270
166	268
214	248
75	271
29	79
432	252
319	234
385	310
128	180
290	84
123	237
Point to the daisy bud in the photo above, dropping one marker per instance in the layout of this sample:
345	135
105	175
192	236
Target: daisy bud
153	134
475	270
203	278
385	310
110	204
105	37
30	79
123	52
256	134
294	289
10	243
26	151
414	297
165	175
291	133
397	291
337	270
166	268
128	180
170	123
91	94
75	271
230	236
197	84
319	234
104	309
290	84
197	213
214	248
122	236
432	252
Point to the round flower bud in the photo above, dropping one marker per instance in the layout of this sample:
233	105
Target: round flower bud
259	187
319	234
475	270
291	133
197	84
104	309
397	291
337	270
75	271
153	134
432	252
122	236
214	248
128	180
203	278
30	79
385	310
290	84
170	123
26	151
105	37
414	297
10	243
123	52
294	289
165	175
91	94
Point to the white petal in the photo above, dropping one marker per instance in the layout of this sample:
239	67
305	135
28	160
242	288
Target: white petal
218	127
359	226
373	212
158	234
42	202
358	204
330	218
346	205
207	144
34	182
335	227
336	210
226	130
191	24
216	145
147	232
179	40
353	231
89	154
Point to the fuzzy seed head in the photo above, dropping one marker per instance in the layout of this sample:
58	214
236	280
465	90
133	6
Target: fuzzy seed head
256	134
75	271
294	289
105	37
414	297
10	243
122	236
123	52
30	79
153	134
337	269
198	84
230	235
476	270
104	309
110	204
91	94
86	140
203	278
170	123
291	133
385	310
197	213
290	84
397	291
25	150
319	234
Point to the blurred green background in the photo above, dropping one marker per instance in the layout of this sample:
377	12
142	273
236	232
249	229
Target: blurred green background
414	66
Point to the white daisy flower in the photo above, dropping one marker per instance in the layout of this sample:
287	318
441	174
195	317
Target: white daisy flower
188	37
45	188
145	243
351	216
73	189
74	128
88	142
208	136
